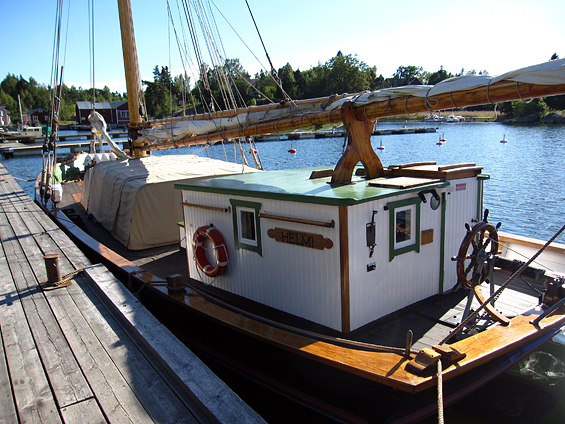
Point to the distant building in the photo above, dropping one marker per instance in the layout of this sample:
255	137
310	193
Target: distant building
4	117
114	113
36	117
121	110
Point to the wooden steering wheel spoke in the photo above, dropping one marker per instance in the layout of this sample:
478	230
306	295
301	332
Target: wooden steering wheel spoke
471	274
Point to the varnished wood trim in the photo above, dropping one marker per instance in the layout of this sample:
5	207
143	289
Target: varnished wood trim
209	208
324	173
344	269
298	220
457	165
530	242
414	164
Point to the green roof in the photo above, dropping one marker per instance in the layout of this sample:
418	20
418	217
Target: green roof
295	185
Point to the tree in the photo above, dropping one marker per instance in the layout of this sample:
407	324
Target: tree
536	106
158	94
300	84
555	102
288	81
266	86
439	76
347	74
404	75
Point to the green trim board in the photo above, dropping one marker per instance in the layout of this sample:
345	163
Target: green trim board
442	244
481	178
295	185
236	207
392	207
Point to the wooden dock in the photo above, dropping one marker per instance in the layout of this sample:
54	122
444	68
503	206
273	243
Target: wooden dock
298	135
13	148
89	352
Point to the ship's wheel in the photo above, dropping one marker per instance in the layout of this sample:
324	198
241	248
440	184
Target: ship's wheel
475	261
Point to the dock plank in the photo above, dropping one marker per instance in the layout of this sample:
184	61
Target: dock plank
33	398
65	375
121	390
7	406
150	389
181	363
77	413
69	352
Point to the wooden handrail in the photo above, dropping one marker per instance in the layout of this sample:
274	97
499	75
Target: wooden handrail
210	208
299	220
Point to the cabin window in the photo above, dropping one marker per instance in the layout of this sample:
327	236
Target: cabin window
124	113
246	223
404	227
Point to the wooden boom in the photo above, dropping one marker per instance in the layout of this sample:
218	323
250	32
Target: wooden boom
502	91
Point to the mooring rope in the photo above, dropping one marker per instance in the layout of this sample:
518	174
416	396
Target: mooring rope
440	418
62	281
307	333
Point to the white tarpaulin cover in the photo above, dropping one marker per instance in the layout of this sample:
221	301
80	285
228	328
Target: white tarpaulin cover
136	201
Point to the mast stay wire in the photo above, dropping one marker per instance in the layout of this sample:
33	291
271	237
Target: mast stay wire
184	52
91	51
254	55
274	73
225	74
217	65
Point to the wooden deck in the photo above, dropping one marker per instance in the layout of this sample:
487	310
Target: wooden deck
88	350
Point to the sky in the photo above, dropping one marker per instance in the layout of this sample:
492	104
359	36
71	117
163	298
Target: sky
496	36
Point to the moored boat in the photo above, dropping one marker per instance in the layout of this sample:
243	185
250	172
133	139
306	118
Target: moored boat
332	285
25	134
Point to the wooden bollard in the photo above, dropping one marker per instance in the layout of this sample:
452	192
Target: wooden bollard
52	268
175	283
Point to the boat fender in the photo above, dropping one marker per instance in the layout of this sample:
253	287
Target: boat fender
218	246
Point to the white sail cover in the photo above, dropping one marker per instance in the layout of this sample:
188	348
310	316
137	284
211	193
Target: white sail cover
245	118
136	201
548	73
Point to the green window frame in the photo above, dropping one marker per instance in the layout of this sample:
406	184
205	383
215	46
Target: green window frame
403	214
246	225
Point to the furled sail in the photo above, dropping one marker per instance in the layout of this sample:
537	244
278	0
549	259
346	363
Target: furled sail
541	80
548	73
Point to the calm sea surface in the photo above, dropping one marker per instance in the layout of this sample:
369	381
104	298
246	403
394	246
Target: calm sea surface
526	192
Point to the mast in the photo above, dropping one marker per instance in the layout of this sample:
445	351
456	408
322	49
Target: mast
21	116
131	67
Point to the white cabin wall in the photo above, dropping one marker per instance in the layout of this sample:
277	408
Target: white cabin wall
299	280
394	284
461	207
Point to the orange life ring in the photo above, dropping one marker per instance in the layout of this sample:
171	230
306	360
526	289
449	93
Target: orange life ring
219	247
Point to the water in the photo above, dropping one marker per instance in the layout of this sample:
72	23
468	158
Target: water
526	192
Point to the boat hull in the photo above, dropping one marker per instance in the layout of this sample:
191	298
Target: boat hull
320	385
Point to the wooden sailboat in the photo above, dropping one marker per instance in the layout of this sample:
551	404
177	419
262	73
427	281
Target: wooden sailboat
333	286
